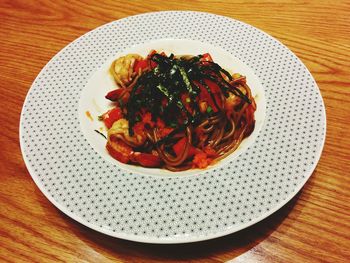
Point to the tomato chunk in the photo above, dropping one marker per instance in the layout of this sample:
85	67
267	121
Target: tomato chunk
165	131
210	151
249	113
205	95
206	57
114	95
180	145
140	65
112	116
152	63
201	160
147	159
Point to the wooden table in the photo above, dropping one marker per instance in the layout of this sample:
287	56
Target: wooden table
314	226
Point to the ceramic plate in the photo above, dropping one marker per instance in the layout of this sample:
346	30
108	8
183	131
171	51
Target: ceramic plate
68	161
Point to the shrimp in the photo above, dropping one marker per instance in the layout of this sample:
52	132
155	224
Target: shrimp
122	69
120	130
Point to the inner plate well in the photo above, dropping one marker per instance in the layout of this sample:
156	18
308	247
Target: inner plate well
101	82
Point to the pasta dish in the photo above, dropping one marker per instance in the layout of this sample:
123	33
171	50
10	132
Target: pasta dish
176	112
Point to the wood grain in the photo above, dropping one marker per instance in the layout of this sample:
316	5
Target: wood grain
313	227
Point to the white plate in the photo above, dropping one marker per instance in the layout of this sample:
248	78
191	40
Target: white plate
69	164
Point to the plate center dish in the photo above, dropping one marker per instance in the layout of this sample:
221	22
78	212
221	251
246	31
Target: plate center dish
93	103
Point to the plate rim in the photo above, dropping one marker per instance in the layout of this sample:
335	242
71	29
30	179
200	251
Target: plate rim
171	239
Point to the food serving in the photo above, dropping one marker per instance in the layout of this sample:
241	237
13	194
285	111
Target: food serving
176	112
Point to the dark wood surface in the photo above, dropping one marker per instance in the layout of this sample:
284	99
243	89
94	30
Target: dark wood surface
313	227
